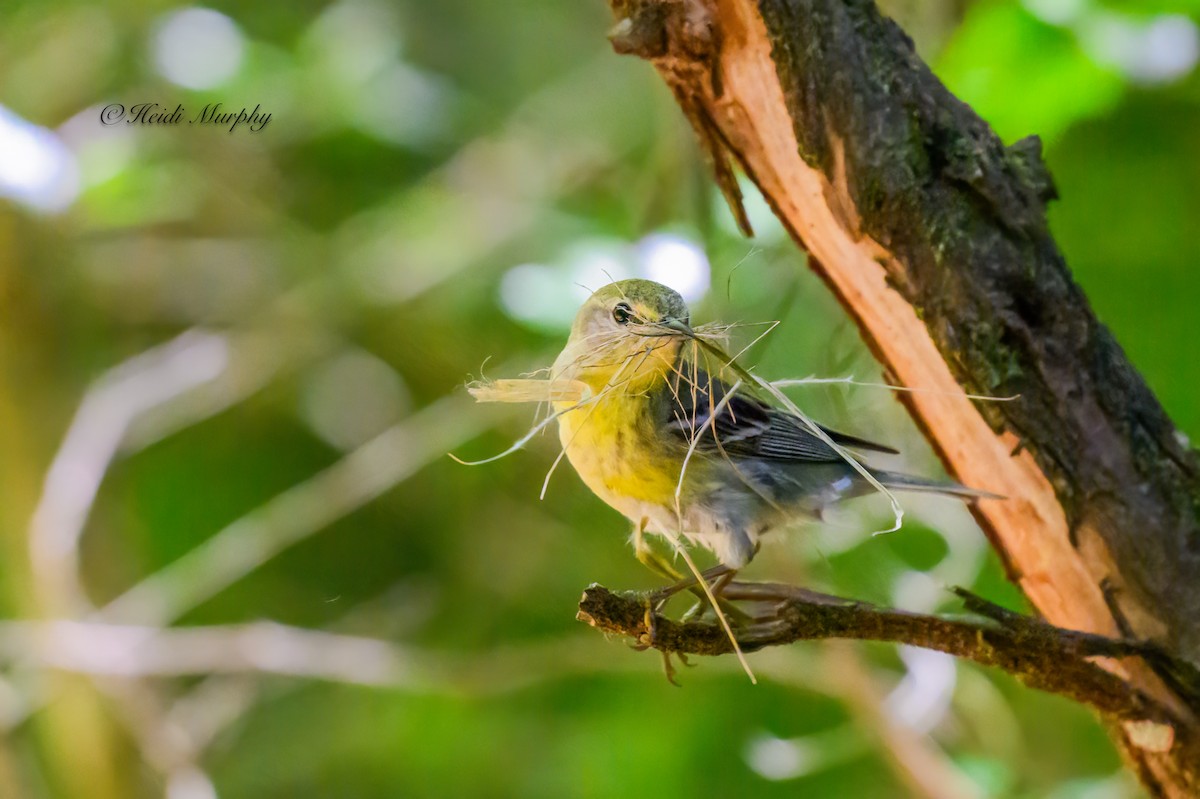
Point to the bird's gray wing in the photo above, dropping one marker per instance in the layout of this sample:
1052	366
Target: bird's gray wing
698	405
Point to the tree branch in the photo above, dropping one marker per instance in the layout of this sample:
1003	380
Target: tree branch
1036	653
933	235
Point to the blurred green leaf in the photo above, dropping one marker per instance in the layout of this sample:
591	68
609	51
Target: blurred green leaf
1035	77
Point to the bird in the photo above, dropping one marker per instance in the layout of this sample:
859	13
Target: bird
681	451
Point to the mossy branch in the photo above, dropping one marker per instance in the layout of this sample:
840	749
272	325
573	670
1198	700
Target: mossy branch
1038	654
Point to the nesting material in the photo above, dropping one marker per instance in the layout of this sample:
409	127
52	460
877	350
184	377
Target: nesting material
526	389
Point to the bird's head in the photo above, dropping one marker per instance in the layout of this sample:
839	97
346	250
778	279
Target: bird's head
626	333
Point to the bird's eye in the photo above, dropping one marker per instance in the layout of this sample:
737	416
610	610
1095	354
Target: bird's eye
622	313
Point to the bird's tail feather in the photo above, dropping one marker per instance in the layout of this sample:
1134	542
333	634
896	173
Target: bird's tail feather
908	482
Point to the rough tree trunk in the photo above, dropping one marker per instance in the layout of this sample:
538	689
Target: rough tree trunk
933	234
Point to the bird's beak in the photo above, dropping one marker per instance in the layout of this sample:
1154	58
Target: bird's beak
679	326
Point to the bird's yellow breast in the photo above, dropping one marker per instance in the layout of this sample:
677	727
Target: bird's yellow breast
612	445
613	440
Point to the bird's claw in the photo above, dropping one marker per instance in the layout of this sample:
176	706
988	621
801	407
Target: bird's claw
646	639
669	669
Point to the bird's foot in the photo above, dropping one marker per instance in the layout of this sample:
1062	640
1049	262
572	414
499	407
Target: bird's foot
649	622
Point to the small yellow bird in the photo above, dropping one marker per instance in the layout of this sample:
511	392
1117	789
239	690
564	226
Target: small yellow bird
678	450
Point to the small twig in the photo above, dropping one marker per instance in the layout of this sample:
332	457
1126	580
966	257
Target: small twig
1036	653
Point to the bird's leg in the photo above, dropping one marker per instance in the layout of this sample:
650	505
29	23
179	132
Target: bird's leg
717	578
660	566
721	577
656	563
710	575
649	558
718	586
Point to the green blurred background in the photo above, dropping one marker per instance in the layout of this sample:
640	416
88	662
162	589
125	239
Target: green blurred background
237	560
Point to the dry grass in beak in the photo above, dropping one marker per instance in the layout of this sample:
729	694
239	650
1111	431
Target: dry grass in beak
529	390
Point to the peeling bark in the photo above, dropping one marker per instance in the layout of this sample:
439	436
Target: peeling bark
933	235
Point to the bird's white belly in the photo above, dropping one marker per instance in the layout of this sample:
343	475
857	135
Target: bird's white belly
698	528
